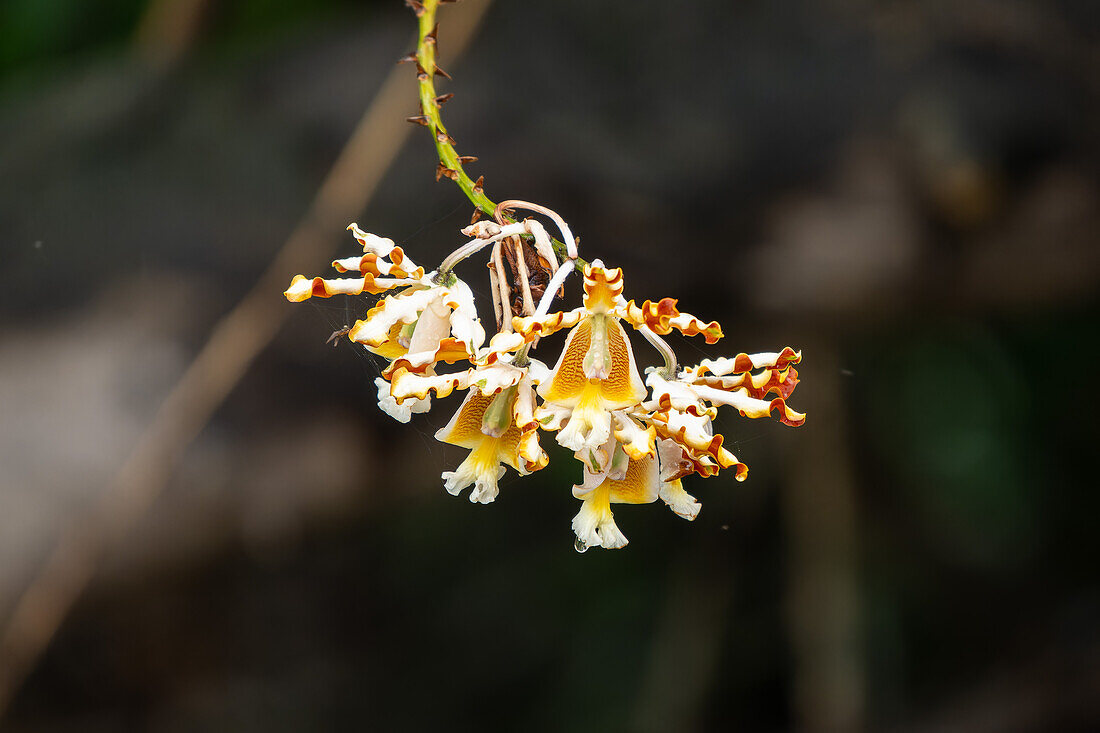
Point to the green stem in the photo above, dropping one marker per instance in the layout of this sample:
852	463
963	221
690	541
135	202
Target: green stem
444	143
429	107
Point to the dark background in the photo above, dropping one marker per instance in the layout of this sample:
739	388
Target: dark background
907	191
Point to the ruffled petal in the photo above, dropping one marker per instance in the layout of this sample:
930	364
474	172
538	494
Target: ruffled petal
403	308
372	264
603	288
530	327
406	385
746	363
302	288
680	501
663	316
401	412
749	406
372	243
464	323
636	440
693	433
780	382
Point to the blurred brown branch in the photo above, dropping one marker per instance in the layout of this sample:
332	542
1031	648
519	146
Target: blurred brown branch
233	345
167	29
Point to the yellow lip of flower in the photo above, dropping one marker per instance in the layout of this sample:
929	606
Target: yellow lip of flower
488	451
594	524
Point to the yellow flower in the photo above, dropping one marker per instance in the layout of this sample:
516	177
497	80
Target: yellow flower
594	524
596	373
498	429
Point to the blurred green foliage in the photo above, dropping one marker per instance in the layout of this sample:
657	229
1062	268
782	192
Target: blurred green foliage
39	32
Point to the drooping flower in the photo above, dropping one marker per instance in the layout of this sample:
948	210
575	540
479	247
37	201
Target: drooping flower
596	373
496	421
594	524
636	440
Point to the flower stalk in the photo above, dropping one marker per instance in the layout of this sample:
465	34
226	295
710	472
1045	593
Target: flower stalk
450	162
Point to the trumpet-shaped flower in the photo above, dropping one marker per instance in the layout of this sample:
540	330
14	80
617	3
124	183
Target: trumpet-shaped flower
498	428
594	524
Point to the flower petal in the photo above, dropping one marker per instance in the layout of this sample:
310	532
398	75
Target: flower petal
371	242
700	446
595	525
680	501
301	288
400	412
623	386
603	288
749	406
747	363
407	385
663	316
637	441
402	308
759	385
517	446
530	327
372	264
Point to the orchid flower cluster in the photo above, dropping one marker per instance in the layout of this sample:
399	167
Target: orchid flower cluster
635	439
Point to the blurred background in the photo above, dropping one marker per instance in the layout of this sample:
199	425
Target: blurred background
906	190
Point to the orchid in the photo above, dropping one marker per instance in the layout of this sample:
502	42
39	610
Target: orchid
636	439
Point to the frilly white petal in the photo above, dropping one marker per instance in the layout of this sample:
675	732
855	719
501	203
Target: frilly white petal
381	246
405	307
404	411
595	525
485	482
679	501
